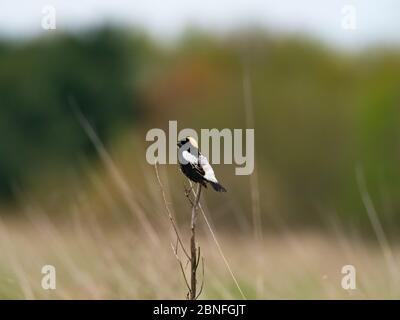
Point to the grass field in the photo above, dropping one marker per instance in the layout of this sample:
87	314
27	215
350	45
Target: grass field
116	261
113	241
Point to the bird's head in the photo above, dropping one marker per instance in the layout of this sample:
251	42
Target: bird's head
190	140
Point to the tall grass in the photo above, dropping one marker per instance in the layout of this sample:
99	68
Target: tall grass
116	261
113	241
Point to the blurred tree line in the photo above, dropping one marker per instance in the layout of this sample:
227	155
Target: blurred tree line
44	81
319	112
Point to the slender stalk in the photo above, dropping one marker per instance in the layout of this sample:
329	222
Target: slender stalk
219	248
170	216
193	248
255	193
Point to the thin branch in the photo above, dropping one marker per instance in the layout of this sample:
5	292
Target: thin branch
220	250
171	218
193	249
202	278
181	267
187	194
198	257
176	245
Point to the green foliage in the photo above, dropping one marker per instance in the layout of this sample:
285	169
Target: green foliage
319	114
39	79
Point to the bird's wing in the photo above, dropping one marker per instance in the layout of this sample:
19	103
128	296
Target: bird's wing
207	169
193	161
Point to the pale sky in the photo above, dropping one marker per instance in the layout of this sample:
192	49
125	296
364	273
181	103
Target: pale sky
377	20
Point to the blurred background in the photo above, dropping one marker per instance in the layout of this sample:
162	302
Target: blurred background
77	101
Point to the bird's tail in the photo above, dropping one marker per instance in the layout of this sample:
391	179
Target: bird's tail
217	187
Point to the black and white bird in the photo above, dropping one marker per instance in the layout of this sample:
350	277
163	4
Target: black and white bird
195	166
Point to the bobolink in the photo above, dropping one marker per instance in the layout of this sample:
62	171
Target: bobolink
195	166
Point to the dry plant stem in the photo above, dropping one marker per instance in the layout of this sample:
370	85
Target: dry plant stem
220	249
193	249
170	217
202	282
192	258
116	175
255	193
376	223
175	250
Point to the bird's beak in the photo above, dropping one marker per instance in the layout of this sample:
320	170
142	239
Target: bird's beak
179	144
